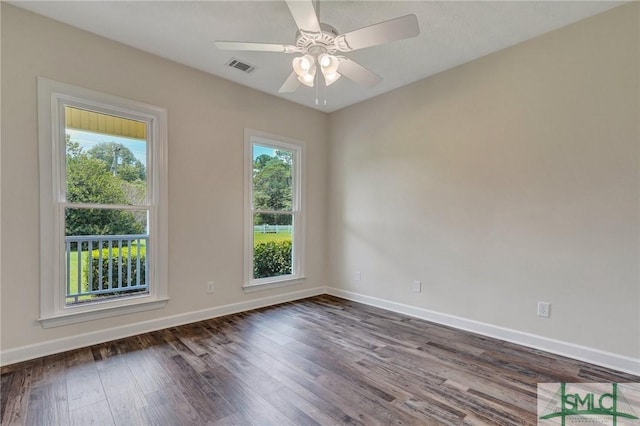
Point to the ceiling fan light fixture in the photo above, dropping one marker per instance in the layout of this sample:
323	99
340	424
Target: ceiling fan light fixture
303	64
308	77
324	60
328	63
329	66
330	77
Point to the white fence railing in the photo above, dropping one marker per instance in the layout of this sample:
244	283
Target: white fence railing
105	265
272	229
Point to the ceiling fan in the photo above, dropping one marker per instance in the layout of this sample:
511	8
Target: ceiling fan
319	45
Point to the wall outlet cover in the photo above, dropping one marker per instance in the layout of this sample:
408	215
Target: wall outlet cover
544	309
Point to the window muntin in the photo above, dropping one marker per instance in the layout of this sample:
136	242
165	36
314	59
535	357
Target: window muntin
73	123
274	223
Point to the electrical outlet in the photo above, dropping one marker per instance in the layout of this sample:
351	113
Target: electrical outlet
358	276
544	309
417	286
210	287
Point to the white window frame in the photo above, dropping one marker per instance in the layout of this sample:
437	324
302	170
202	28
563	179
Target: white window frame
52	97
252	137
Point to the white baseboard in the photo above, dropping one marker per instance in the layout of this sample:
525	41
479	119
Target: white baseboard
50	347
582	353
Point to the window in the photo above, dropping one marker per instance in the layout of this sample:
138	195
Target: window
103	204
274	214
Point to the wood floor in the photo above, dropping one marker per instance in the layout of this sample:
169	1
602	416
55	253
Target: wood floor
321	360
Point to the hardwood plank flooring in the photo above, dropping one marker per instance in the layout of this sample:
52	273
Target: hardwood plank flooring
317	361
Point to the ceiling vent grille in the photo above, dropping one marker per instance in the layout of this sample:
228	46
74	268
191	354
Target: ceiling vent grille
242	66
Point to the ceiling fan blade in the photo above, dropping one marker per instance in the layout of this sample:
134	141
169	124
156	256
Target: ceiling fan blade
304	14
357	73
381	33
260	47
290	84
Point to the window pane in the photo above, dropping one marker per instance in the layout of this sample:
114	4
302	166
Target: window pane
106	158
272	183
272	245
105	253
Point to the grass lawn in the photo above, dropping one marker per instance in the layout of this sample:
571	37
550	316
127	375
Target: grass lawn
73	272
259	237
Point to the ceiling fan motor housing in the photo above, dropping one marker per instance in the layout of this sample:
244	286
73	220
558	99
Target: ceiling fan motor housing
316	44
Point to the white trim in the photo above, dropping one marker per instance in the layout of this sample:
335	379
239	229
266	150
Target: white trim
281	282
24	353
52	97
571	350
298	211
97	312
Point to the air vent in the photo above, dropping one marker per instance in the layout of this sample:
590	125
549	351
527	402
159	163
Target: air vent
242	66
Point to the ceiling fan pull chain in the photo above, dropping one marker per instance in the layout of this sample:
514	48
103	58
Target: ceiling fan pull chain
316	84
324	95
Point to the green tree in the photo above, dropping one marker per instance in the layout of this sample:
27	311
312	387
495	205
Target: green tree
130	171
272	184
285	156
260	162
90	180
120	160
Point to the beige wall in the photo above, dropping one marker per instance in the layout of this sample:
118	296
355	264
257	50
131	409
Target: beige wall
506	181
207	117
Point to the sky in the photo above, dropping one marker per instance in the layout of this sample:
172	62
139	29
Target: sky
258	150
138	147
88	140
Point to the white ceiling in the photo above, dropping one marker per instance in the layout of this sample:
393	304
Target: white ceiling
452	33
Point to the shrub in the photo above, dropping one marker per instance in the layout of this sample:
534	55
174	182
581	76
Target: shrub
123	266
272	258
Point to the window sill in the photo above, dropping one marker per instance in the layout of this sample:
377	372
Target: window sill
99	312
283	282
